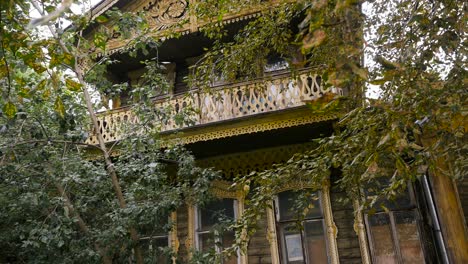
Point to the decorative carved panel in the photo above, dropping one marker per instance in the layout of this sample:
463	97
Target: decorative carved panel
258	160
165	13
227	103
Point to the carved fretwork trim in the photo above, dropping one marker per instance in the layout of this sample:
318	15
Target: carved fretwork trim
244	163
224	133
223	189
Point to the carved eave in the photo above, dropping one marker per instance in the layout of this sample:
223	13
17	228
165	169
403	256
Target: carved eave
288	118
165	17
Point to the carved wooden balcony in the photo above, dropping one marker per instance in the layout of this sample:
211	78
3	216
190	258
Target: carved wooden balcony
229	102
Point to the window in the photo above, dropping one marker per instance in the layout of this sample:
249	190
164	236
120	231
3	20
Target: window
155	248
211	233
155	243
393	233
300	242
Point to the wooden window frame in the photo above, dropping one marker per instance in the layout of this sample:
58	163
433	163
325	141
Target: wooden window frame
283	223
221	190
235	204
331	230
393	227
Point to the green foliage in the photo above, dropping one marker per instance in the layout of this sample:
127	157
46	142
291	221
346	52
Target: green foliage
418	62
57	204
419	67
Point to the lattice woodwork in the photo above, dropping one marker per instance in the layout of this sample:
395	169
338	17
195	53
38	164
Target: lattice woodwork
226	103
258	160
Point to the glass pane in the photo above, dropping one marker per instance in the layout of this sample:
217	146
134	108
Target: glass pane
155	249
315	244
408	236
215	212
290	202
382	242
292	249
228	239
206	242
402	201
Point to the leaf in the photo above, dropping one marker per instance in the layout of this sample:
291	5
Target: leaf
46	94
361	72
54	61
25	92
9	109
55	80
59	107
313	39
41	85
72	85
102	19
378	81
387	64
38	68
100	40
68	59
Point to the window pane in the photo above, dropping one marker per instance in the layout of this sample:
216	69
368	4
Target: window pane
315	243
292	242
206	242
403	200
289	202
155	248
228	239
381	233
214	212
408	236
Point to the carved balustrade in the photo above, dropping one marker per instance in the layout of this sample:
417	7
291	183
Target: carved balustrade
223	103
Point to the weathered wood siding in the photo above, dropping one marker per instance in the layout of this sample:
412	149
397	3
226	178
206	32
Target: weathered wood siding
259	247
463	195
347	240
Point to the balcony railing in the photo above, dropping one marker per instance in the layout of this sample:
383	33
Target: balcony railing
277	92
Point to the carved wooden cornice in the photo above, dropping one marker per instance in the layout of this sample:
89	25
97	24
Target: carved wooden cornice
163	15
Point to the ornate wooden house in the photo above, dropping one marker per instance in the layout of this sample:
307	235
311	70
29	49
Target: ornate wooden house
257	124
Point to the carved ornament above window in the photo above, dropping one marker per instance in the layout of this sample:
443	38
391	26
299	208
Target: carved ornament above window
166	13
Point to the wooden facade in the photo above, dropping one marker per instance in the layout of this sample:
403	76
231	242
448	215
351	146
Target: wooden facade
229	135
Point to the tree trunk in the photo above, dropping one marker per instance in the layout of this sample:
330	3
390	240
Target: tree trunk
81	224
109	165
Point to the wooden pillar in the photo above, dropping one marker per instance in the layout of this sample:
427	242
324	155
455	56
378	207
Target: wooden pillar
449	209
271	235
173	236
332	230
190	241
360	230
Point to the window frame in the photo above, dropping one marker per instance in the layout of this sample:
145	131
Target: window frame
171	235
412	207
217	241
280	225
